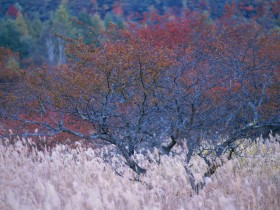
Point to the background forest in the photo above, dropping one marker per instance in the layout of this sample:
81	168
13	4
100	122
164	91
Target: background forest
29	27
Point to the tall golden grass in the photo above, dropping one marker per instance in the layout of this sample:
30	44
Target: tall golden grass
83	178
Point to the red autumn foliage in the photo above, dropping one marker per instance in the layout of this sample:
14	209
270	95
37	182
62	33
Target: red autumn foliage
222	67
118	10
12	11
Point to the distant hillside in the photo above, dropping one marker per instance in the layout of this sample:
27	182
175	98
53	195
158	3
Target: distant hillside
28	26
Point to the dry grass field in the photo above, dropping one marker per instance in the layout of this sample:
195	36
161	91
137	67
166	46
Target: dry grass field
83	178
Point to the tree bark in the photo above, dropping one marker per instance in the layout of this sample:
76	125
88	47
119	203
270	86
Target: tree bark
130	162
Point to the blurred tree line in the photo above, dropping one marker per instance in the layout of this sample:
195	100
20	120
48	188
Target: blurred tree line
29	27
32	32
